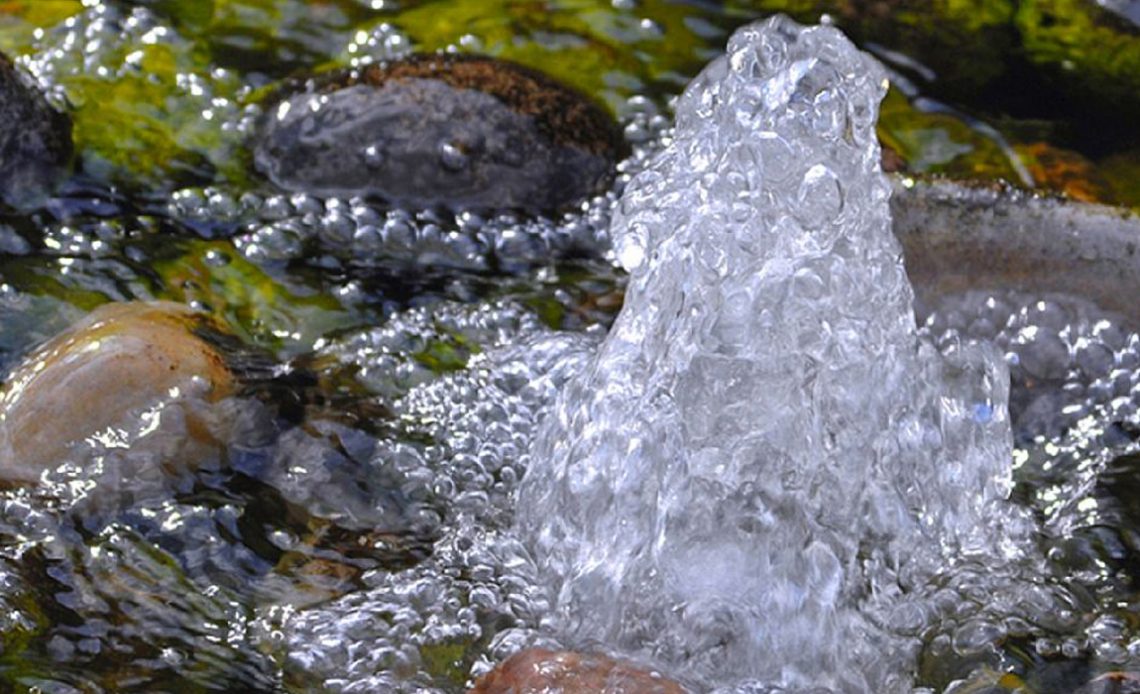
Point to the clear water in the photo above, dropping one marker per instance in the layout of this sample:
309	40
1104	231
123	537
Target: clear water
765	472
369	542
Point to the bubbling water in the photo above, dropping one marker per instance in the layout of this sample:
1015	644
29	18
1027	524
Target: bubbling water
765	470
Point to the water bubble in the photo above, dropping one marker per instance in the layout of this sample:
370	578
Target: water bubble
373	156
453	156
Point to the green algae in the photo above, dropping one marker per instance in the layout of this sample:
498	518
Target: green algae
585	43
450	352
19	20
937	143
448	661
1088	53
282	315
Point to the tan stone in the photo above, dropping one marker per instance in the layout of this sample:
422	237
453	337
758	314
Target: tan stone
99	376
540	671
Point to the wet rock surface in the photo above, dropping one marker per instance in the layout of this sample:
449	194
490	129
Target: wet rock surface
1113	683
101	377
35	140
460	131
540	671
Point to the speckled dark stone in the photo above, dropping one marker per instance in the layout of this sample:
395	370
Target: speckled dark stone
459	131
35	140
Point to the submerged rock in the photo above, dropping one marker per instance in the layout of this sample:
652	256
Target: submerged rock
538	671
123	372
35	140
1113	683
957	238
461	131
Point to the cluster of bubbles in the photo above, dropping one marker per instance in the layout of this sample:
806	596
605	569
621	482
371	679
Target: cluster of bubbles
1074	401
286	227
476	599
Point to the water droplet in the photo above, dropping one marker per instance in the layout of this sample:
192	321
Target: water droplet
373	156
452	156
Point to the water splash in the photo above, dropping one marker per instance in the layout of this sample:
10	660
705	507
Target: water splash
765	467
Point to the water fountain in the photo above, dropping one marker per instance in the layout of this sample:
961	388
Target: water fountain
769	476
764	469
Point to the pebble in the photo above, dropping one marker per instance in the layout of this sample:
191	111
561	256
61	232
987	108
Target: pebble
538	670
112	378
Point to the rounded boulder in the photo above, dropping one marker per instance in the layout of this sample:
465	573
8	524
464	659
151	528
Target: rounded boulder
112	378
458	131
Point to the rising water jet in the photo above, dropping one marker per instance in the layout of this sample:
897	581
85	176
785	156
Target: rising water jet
765	469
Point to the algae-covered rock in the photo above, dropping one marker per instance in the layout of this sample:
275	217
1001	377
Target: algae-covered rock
149	111
1090	54
281	314
612	50
456	130
35	140
938	143
114	377
1067	172
538	670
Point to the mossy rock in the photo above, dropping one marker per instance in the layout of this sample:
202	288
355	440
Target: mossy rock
1089	54
275	313
154	116
938	143
589	44
1066	172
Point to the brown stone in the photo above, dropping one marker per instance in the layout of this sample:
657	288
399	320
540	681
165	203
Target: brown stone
1113	683
99	376
540	671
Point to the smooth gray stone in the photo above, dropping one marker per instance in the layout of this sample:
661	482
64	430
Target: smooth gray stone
956	238
428	137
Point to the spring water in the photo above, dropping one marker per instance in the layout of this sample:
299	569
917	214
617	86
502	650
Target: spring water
764	472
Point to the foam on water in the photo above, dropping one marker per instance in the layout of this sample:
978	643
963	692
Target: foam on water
765	469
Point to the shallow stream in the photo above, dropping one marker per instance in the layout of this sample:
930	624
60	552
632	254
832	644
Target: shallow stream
357	531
